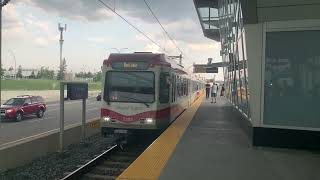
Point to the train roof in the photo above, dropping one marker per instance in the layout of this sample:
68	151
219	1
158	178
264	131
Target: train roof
151	58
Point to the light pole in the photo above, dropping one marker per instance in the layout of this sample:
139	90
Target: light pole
15	63
61	29
119	50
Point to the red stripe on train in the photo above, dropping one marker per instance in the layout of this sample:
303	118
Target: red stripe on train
160	114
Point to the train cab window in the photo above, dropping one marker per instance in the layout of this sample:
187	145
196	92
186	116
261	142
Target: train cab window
130	86
164	88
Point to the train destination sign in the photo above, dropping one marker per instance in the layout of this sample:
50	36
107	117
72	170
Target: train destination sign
130	65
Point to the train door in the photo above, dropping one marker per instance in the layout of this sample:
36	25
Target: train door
164	88
164	97
173	97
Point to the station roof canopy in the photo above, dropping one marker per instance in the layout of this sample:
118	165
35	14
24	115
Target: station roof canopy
207	11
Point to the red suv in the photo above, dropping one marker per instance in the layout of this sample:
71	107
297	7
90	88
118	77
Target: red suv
17	108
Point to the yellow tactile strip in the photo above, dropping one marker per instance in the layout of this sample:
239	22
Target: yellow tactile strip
150	163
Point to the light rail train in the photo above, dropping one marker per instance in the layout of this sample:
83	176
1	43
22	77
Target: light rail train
144	91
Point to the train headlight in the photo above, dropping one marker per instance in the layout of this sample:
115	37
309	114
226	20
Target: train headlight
149	120
106	119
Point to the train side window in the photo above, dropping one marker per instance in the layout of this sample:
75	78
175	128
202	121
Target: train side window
185	87
178	86
164	89
173	87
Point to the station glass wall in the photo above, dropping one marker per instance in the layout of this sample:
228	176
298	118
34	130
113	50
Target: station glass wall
292	79
233	47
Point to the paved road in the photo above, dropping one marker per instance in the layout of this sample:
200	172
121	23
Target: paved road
12	131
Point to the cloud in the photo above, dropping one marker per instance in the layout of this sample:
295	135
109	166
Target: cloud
166	10
82	10
11	18
98	39
93	10
13	25
41	41
152	48
178	17
185	30
19	27
42	26
204	47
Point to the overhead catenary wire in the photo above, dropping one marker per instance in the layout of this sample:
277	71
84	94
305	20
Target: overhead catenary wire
133	26
166	32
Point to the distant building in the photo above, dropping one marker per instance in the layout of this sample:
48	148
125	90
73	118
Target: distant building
26	73
68	76
84	79
9	74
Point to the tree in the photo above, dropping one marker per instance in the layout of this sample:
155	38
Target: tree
79	75
2	71
51	74
89	75
45	73
19	73
32	76
97	76
64	69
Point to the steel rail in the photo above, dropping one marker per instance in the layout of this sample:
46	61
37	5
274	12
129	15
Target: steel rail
87	167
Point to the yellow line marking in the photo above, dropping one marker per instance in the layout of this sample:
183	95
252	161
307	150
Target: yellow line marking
150	163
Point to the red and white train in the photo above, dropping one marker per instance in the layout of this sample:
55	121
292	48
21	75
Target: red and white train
144	91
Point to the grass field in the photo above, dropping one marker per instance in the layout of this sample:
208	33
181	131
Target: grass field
38	84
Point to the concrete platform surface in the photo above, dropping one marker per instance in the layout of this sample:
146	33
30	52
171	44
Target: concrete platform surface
215	147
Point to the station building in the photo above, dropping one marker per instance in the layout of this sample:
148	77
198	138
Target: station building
272	77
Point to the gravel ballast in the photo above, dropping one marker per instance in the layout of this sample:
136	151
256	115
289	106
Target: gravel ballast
55	165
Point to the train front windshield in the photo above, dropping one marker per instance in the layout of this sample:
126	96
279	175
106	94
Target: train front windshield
136	87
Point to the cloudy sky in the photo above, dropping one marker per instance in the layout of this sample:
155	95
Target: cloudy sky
30	32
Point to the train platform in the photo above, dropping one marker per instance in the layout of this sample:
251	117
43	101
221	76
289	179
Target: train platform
207	142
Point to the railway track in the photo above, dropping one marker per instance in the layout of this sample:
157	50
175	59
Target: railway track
111	163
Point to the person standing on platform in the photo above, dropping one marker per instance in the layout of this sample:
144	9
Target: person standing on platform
214	91
222	90
207	90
